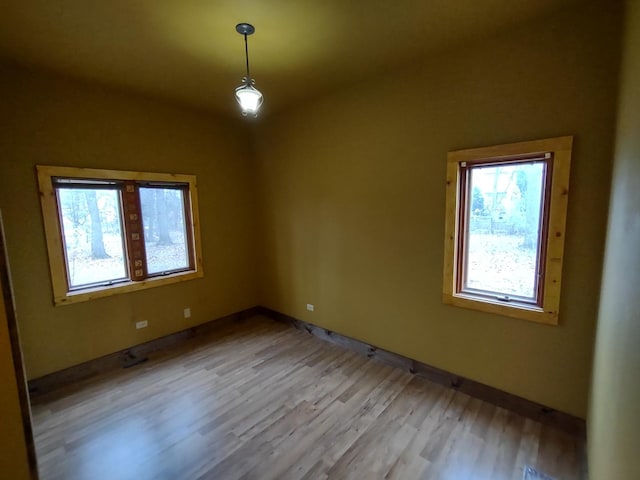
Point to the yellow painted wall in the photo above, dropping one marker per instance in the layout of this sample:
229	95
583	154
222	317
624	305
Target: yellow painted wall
14	463
52	121
614	417
350	204
352	200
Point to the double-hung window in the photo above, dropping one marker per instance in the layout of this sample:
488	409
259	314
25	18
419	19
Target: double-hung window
112	231
504	232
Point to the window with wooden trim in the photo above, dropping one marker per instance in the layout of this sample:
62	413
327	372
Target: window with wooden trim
504	233
112	232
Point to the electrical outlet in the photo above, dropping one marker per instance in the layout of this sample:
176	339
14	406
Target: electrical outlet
187	312
142	324
310	307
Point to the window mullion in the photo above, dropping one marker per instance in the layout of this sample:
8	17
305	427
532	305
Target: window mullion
134	232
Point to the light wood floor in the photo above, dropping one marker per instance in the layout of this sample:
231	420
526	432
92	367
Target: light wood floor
261	400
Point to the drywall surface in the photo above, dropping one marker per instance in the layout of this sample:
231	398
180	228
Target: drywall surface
614	415
49	120
352	196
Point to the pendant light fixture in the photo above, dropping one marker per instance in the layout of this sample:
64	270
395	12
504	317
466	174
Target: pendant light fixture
247	95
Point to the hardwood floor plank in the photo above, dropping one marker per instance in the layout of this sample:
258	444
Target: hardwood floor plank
260	400
528	447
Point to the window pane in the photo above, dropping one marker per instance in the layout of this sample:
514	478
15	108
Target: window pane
92	235
165	233
504	229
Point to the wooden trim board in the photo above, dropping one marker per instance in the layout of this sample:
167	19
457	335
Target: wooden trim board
557	153
527	408
138	278
7	303
522	406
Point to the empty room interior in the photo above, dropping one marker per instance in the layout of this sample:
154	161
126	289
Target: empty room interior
405	245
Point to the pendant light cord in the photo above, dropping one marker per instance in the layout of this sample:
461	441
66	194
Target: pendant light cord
246	54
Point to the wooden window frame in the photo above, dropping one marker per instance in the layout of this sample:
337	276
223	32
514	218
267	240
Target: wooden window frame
463	219
62	294
546	308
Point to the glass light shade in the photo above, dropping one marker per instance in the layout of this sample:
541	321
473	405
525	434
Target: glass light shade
249	99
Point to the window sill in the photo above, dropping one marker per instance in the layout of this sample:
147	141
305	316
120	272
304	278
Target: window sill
125	287
513	310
